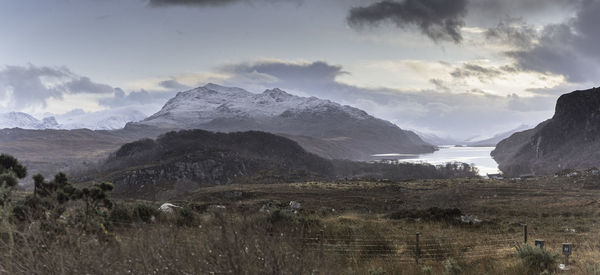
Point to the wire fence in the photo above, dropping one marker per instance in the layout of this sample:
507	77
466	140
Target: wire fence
418	247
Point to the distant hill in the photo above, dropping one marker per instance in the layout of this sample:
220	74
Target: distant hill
50	151
182	161
493	141
438	140
320	126
571	139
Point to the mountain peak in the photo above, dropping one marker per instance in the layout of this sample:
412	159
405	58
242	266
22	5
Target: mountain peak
221	89
277	94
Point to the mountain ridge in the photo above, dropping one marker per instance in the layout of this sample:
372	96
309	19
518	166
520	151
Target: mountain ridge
326	123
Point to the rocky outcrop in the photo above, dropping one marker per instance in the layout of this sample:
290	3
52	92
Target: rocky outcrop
571	139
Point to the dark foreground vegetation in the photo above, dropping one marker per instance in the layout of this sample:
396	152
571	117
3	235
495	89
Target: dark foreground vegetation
467	226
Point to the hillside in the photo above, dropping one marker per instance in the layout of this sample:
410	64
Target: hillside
494	140
571	139
178	162
50	151
320	126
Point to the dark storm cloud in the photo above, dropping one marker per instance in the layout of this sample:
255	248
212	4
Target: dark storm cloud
210	3
568	49
289	72
136	98
30	85
512	31
438	19
172	84
86	85
164	3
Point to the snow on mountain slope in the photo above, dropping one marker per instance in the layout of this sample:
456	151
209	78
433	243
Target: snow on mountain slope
102	120
26	121
77	119
320	126
204	104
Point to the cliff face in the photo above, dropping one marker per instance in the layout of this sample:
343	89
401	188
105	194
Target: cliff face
571	139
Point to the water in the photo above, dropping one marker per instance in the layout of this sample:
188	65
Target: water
479	156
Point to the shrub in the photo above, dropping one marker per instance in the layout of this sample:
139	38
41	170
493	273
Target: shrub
537	260
278	216
431	214
185	217
377	271
120	214
144	212
451	267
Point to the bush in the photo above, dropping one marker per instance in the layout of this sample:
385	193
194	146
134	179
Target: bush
436	214
377	271
537	260
144	212
120	214
281	216
185	217
427	270
451	267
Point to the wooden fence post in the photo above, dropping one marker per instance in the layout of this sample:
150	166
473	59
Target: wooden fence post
525	233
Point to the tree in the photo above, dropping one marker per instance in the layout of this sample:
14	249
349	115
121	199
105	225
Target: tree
11	170
96	198
48	197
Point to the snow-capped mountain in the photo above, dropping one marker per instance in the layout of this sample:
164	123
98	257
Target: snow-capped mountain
204	104
77	119
320	126
102	120
26	121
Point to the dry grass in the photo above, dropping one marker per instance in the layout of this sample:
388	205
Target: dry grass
356	237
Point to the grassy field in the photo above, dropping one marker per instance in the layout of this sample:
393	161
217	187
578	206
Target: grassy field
344	227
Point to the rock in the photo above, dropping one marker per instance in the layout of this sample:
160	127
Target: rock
469	219
168	207
295	205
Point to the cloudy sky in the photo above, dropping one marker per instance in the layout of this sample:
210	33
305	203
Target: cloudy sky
459	68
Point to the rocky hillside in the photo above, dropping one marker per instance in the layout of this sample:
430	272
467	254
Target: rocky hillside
571	139
320	126
177	162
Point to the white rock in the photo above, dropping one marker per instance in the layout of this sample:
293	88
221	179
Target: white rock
168	207
295	205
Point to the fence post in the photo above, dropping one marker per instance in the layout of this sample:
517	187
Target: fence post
525	233
418	249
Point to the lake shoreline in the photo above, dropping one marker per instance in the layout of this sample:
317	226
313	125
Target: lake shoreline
479	156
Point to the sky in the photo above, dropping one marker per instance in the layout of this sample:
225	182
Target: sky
454	68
